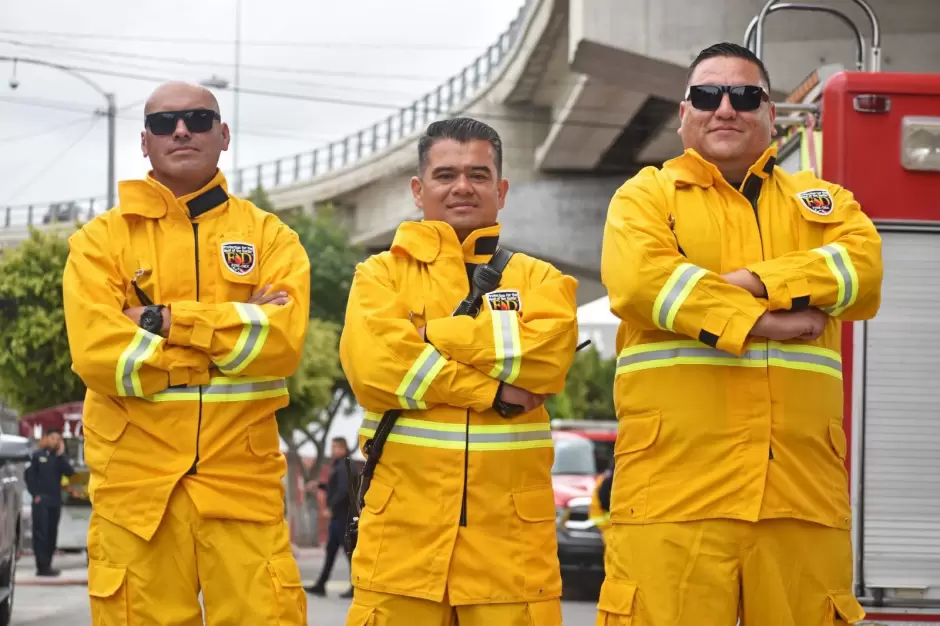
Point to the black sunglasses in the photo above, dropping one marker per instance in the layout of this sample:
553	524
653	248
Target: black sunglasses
742	97
196	120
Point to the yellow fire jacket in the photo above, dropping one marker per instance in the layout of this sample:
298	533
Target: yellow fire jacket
461	498
714	422
200	404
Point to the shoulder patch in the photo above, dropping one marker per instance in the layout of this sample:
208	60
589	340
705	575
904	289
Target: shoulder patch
819	201
238	257
505	300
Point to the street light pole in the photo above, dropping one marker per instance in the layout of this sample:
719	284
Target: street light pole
238	57
111	111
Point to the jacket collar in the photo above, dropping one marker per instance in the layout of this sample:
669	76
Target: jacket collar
150	198
690	168
426	241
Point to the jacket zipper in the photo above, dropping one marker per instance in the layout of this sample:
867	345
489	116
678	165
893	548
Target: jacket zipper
193	469
466	469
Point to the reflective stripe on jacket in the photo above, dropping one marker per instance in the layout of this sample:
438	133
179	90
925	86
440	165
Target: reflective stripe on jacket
449	451
199	404
714	423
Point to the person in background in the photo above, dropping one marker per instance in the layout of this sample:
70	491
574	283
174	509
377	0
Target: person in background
44	482
335	508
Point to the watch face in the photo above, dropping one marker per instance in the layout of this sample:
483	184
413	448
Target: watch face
151	321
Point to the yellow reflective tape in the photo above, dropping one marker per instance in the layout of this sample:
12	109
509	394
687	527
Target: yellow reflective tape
223	389
482	437
251	340
674	293
843	270
127	373
419	377
507	346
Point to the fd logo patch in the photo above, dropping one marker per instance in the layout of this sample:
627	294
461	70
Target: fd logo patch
504	300
238	257
816	200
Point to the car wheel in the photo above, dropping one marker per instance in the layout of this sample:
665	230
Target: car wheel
6	607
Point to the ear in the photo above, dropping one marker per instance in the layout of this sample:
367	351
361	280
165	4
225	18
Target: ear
502	188
416	189
773	117
226	136
143	144
683	108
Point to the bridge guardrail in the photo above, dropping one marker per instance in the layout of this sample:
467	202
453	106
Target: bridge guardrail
447	97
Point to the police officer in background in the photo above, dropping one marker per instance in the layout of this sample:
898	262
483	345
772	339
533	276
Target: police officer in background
44	481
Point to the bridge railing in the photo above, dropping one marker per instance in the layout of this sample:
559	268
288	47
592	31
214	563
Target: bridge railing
447	98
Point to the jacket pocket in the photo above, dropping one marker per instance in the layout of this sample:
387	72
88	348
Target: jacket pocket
637	432
843	609
290	606
104	426
263	438
107	591
617	603
837	440
535	504
360	615
377	497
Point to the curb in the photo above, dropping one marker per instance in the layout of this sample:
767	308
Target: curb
35	581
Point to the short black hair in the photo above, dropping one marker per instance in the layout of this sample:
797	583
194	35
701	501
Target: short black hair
462	130
726	49
343	441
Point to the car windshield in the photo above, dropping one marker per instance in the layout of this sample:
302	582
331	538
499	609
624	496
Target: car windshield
574	456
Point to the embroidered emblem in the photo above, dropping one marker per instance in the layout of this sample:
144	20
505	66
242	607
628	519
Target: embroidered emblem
816	200
504	300
238	257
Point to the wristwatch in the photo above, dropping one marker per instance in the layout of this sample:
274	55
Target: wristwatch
151	319
506	409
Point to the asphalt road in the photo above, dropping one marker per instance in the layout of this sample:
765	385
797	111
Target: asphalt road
67	605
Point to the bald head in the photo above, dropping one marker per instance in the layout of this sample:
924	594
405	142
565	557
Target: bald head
177	95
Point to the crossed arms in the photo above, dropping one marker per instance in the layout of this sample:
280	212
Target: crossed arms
456	361
114	357
655	287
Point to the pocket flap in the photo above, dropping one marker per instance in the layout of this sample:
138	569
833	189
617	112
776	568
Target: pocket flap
535	504
818	205
105	579
360	615
105	421
617	597
846	606
284	568
378	496
637	432
837	439
263	438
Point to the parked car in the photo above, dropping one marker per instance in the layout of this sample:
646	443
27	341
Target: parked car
581	450
14	455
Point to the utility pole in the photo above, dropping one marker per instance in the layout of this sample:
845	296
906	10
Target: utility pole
112	117
238	58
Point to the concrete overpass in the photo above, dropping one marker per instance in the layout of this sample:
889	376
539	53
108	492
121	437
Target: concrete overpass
584	93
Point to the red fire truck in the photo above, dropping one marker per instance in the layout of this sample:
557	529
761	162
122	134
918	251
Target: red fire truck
878	135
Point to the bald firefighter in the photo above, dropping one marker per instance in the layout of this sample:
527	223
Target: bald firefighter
459	518
186	310
731	278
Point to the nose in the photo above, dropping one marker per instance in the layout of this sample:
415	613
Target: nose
462	185
725	110
181	130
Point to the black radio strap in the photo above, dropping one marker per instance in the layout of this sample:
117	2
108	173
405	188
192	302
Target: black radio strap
374	446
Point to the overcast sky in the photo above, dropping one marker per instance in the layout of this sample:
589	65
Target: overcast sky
385	53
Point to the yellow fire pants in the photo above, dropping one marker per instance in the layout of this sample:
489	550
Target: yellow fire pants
714	572
370	608
245	570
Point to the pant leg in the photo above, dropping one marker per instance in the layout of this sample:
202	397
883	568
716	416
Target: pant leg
547	613
371	608
682	574
248	574
796	573
133	582
42	547
334	543
55	514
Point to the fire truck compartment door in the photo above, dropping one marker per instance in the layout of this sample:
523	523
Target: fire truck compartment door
901	432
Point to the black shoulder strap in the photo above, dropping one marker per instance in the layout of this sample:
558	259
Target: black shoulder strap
500	259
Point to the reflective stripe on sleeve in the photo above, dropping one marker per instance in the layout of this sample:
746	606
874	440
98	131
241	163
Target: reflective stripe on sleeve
488	437
224	389
673	294
416	382
250	341
690	352
843	270
127	375
507	345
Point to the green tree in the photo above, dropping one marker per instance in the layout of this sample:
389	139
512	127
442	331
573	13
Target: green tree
259	197
35	363
589	389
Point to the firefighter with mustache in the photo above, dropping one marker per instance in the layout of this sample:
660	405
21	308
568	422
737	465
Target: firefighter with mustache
731	278
186	309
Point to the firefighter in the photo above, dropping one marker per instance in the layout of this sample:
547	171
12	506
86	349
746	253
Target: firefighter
459	519
599	509
44	475
731	278
186	309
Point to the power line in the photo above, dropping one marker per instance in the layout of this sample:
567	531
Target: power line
223	42
46	131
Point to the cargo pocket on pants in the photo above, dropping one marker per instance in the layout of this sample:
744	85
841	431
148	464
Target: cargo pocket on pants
615	607
360	615
290	598
843	609
107	593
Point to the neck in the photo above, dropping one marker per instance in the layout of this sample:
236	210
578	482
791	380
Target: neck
179	187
